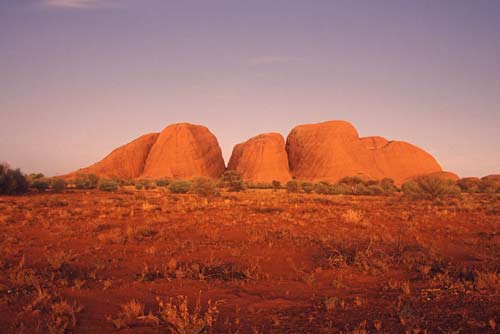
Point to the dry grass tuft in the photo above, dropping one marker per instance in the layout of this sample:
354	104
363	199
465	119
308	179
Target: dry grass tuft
178	318
353	216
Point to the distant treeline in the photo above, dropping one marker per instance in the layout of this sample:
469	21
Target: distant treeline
13	182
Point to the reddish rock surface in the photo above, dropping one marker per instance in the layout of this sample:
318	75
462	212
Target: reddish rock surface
331	150
314	152
184	151
262	158
180	151
125	162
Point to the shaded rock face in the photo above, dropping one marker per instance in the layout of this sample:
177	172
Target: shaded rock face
125	162
332	150
180	151
184	151
261	159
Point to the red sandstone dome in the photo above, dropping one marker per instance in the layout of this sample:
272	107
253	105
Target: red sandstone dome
125	162
314	152
184	151
331	150
179	151
262	158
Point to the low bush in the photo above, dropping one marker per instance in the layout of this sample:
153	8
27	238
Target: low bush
162	182
179	187
231	180
34	176
388	186
258	185
86	181
489	185
127	182
148	185
429	187
276	185
40	184
470	184
354	185
307	187
322	188
339	189
204	187
108	185
292	186
12	181
58	185
375	189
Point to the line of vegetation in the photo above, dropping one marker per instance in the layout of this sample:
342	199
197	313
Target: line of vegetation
13	181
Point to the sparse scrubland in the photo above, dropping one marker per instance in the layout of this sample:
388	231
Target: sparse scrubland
208	256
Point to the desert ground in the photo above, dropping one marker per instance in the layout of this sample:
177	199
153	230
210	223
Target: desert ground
259	261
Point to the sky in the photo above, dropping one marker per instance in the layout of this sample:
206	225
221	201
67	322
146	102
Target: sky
79	78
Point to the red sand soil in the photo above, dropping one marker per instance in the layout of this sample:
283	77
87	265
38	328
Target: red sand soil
274	262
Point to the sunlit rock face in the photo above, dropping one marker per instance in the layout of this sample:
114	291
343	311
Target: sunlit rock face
262	158
331	150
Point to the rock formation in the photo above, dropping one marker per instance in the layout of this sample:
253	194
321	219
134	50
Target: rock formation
179	151
125	162
184	151
314	152
331	150
261	159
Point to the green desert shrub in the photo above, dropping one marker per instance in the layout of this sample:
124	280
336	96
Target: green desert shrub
127	182
58	185
340	189
141	184
12	181
148	185
429	187
179	187
40	184
470	184
353	184
351	181
34	176
86	181
292	186
162	182
204	187
388	186
489	185
231	180
276	185
258	185
108	185
360	189
307	187
322	188
374	189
